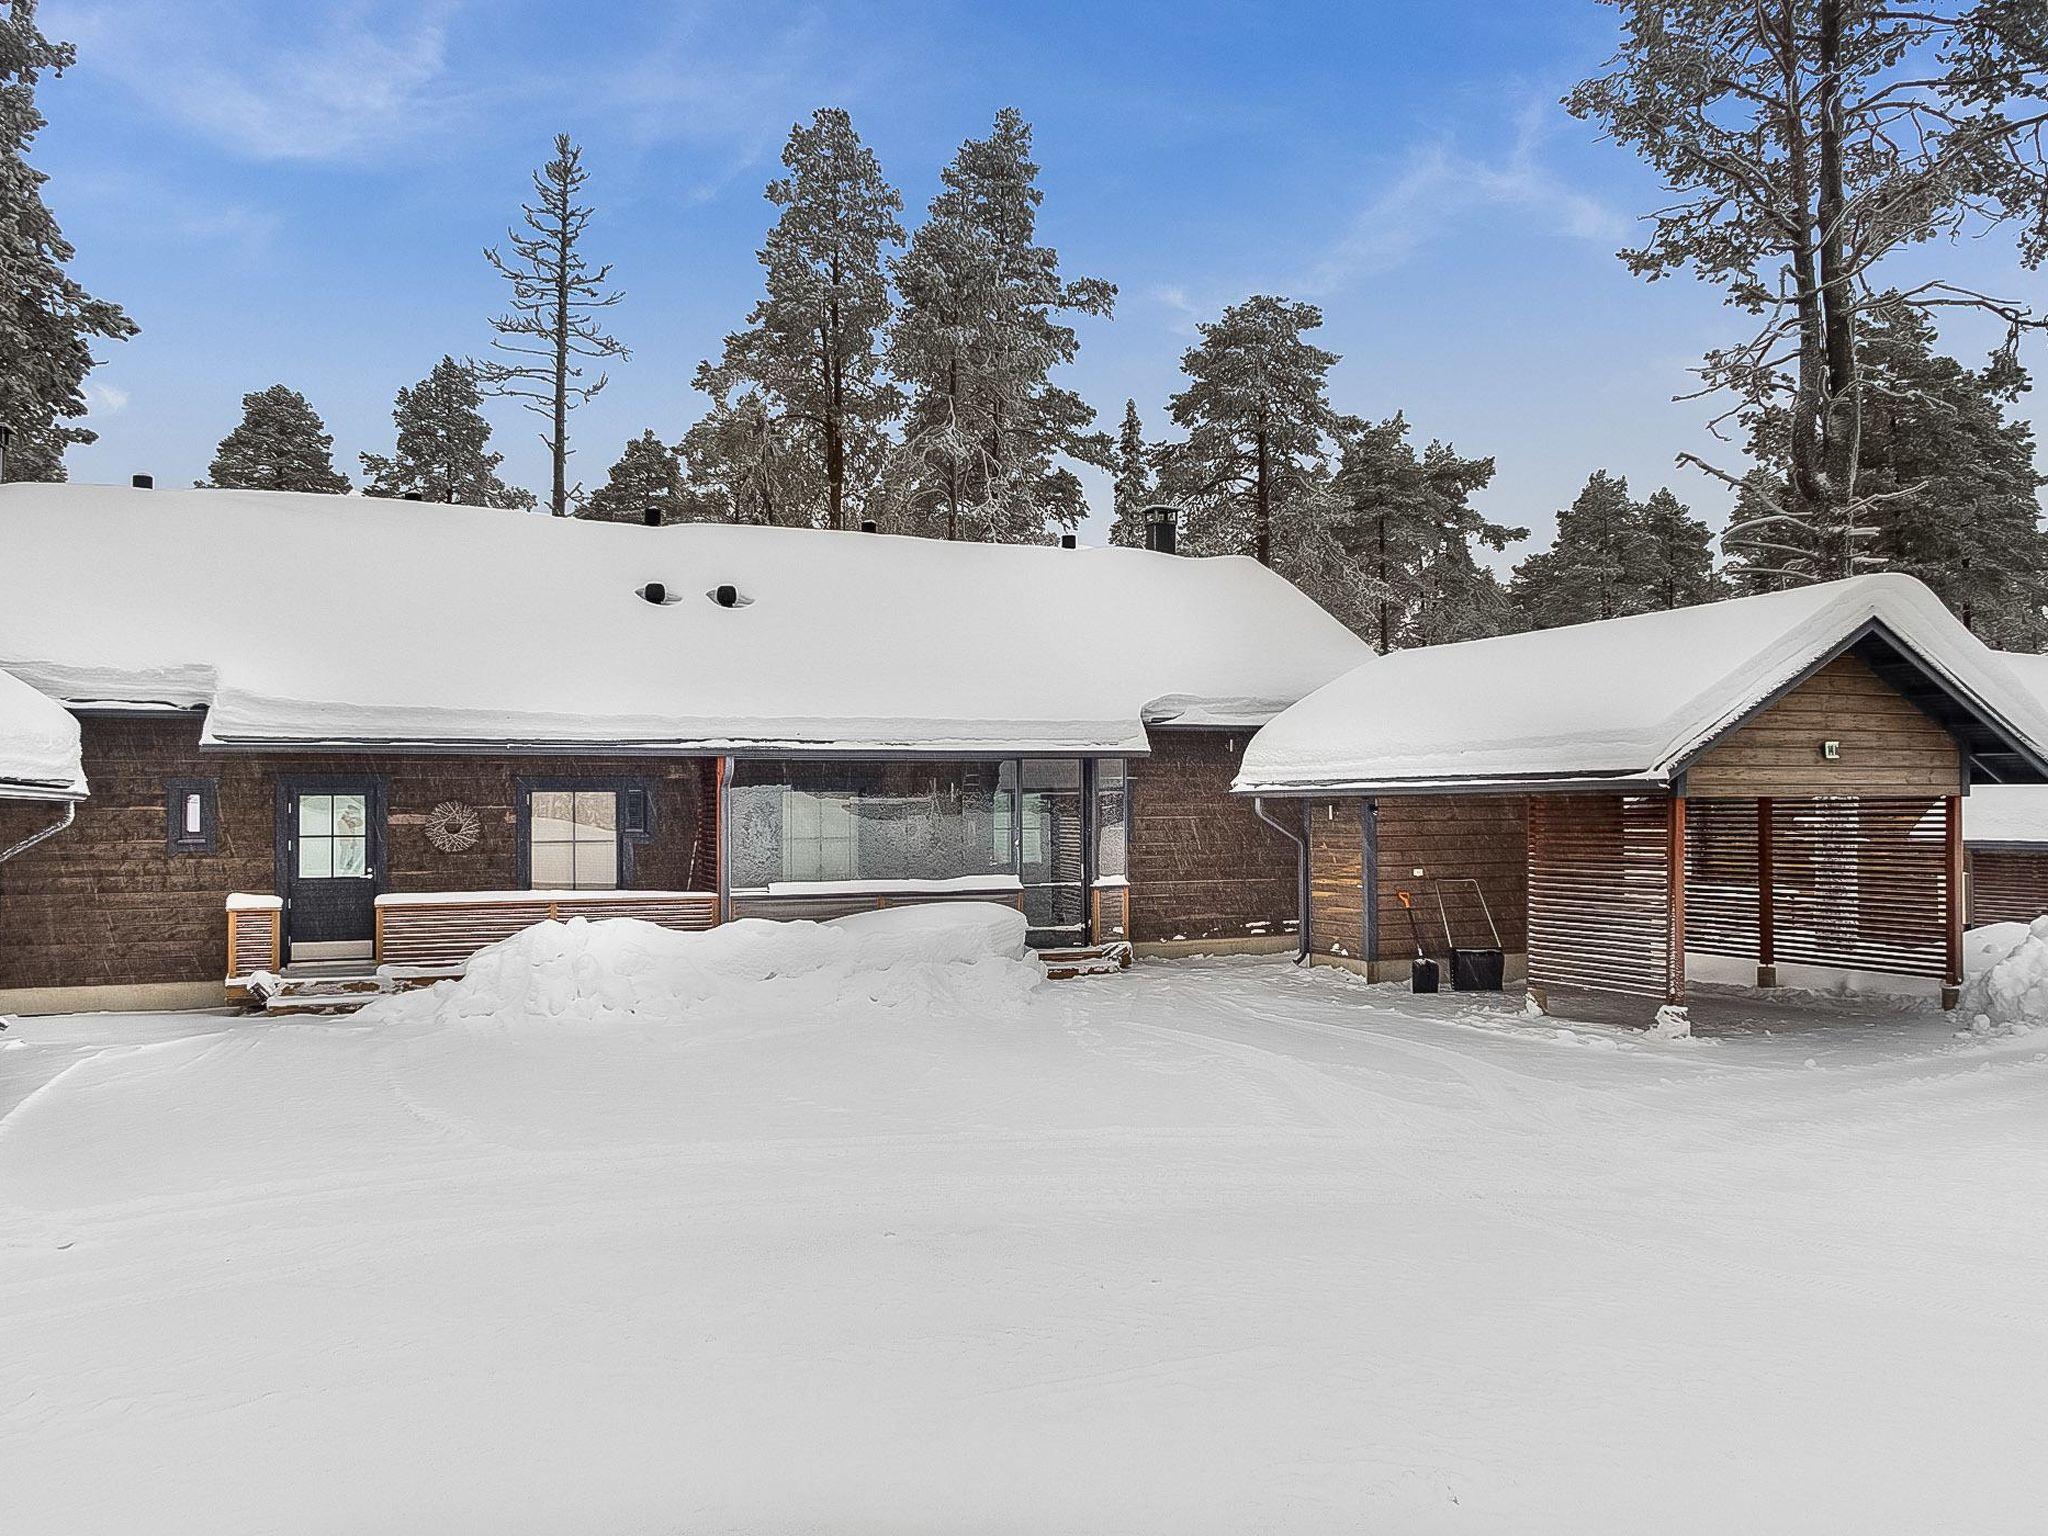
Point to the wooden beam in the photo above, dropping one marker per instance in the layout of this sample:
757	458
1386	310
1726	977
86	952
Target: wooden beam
1952	981
1766	897
1674	854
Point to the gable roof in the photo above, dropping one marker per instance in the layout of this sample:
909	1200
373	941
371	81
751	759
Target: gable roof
1630	701
347	620
38	746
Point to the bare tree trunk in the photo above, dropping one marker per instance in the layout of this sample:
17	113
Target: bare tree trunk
558	504
1837	299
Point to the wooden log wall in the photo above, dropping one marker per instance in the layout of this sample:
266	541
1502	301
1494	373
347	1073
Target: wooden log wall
1600	893
1336	877
1202	864
1453	839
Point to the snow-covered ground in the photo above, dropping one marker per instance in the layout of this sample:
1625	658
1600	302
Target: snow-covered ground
1212	1246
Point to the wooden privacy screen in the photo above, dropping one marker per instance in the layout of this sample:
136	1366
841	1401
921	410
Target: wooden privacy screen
1600	893
1856	883
2008	885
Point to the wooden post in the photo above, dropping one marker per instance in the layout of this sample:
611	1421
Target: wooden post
1952	980
1674	854
1766	898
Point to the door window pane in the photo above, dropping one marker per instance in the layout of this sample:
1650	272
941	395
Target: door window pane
351	857
316	815
316	858
351	816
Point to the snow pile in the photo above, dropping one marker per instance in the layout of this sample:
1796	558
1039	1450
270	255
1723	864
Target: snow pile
2010	996
38	744
954	957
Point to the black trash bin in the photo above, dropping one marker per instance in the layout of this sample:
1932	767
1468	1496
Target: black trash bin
1473	970
1422	972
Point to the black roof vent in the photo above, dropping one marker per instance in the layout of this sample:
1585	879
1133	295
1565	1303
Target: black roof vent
867	525
656	592
727	596
142	482
651	516
412	496
1066	541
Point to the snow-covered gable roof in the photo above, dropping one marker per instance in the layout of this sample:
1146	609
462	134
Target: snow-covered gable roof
38	746
351	620
1626	700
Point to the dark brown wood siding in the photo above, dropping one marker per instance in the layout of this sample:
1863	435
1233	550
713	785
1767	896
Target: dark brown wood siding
2008	885
1453	838
1600	894
105	903
1336	876
1203	866
1888	745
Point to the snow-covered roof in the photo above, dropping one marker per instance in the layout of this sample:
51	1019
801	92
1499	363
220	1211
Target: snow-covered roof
1626	700
2011	813
349	620
38	746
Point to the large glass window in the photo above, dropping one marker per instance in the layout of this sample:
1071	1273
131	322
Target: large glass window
334	837
573	839
1111	819
848	821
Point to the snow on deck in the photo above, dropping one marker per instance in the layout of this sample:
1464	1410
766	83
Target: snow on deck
1208	1246
1618	699
355	620
39	746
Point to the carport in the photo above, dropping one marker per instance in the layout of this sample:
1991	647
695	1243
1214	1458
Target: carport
1777	779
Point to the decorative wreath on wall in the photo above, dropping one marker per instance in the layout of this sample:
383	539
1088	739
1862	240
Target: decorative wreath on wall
453	827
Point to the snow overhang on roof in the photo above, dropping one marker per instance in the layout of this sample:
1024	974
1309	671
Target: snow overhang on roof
1628	702
2011	815
39	746
354	622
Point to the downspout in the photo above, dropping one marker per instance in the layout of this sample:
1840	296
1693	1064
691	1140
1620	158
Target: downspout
1301	879
70	815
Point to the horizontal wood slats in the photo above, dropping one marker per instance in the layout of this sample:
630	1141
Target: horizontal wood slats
448	933
1600	893
254	942
823	908
1112	913
2008	886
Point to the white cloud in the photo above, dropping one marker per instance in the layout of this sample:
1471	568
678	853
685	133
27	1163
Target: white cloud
329	82
1438	186
105	399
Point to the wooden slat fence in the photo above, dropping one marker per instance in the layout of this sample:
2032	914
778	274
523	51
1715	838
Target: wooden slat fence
1862	883
2008	885
1600	893
255	940
446	932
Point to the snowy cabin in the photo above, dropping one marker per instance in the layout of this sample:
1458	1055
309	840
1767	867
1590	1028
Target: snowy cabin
355	732
1774	779
2005	831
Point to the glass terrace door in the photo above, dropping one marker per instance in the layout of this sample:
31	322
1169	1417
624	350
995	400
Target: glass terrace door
1053	862
332	841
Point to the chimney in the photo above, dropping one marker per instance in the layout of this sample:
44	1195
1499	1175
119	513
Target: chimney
1162	525
867	525
5	433
655	592
651	516
142	482
1066	541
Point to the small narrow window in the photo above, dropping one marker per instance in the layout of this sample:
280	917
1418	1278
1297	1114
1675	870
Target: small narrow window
636	818
190	807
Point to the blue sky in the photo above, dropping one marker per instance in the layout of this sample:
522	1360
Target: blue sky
298	192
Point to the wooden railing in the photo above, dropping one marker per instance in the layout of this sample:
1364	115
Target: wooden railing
255	935
446	928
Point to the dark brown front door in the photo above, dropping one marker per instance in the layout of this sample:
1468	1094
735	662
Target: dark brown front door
333	837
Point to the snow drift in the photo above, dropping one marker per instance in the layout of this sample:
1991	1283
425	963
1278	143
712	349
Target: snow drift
2011	996
965	956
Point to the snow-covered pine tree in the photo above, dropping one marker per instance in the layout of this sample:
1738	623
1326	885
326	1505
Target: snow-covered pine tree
443	450
1596	565
743	463
1133	484
48	323
1948	483
976	339
1678	555
648	473
552	320
1405	525
280	444
811	346
1258	420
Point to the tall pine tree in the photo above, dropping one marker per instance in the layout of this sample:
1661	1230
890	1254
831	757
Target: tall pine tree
744	464
1402	526
811	346
1596	566
48	323
1678	556
443	449
1133	484
552	323
280	444
979	333
1258	420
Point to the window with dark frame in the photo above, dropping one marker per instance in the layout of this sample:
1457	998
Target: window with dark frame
190	815
579	837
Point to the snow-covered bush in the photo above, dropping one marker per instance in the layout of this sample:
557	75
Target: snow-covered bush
956	958
2011	996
